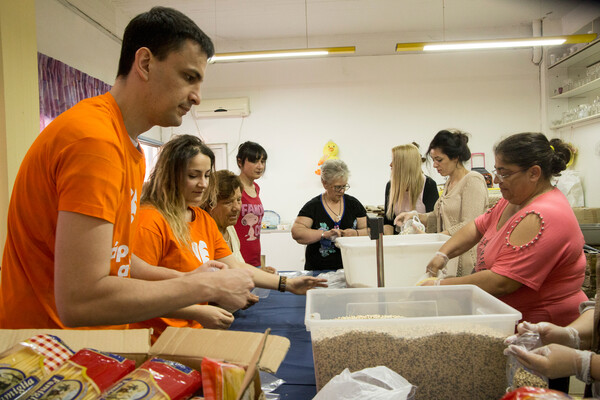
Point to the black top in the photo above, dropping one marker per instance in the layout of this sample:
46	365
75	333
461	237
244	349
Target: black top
323	254
430	196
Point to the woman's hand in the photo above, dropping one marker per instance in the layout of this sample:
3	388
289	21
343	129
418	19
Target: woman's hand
553	361
437	263
349	232
549	333
332	234
211	266
403	216
212	317
301	284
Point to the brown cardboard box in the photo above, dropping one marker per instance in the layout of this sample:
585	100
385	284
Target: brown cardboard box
587	215
185	345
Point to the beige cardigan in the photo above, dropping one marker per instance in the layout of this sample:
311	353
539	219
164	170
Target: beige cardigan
467	200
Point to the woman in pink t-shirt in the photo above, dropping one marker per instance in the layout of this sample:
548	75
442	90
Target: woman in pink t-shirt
252	160
529	245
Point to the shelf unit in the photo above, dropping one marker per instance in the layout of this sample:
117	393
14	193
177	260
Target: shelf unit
572	68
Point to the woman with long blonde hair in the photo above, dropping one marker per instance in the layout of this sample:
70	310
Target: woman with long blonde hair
408	189
174	232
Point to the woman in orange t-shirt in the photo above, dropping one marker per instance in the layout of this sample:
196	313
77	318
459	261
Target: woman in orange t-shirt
175	233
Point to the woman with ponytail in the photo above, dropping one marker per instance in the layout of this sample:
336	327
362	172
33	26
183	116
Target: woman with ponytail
529	245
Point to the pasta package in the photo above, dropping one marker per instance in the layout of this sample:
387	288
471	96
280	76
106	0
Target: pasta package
157	379
222	380
84	376
26	364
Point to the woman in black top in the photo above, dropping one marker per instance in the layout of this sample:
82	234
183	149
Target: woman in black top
408	189
327	216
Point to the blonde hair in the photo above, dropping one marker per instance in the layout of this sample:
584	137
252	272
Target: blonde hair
165	188
407	176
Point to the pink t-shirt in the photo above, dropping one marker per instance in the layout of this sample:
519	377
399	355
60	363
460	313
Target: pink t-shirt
551	267
248	227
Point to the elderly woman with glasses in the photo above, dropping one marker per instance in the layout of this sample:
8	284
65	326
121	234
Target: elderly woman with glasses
529	245
327	216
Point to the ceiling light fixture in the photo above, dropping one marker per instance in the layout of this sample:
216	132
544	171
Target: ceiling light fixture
496	43
278	54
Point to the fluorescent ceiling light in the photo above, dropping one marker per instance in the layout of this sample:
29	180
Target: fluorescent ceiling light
278	54
496	43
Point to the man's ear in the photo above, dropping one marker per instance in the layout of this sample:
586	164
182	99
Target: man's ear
141	62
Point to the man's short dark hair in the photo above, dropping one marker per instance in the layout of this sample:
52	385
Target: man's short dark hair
162	30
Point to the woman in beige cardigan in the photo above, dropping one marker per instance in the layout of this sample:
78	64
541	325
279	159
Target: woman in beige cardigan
464	197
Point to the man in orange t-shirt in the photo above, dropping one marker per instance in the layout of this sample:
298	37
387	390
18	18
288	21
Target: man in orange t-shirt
73	210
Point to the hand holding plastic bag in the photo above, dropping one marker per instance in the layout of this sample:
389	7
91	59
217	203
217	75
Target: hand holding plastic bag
549	333
378	383
411	226
555	361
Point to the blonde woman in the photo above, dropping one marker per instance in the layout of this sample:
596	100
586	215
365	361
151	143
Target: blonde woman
174	232
408	189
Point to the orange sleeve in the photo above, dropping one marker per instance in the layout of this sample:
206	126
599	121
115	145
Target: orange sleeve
95	165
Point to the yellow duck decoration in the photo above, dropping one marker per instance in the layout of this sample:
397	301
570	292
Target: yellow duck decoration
330	152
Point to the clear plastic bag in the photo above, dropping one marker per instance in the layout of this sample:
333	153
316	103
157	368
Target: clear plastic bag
269	383
378	383
335	279
517	374
411	226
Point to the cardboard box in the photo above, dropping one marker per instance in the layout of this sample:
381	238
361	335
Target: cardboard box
185	345
587	215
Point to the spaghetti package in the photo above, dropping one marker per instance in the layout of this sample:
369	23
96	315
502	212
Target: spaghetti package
221	380
534	393
26	364
84	376
157	379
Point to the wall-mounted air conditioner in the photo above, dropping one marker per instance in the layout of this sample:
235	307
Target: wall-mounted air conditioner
220	108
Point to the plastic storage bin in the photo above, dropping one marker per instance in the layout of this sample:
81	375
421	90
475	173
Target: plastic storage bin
404	258
446	340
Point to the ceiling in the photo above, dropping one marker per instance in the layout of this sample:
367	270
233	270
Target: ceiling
373	26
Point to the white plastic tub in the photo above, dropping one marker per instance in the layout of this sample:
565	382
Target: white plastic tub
405	258
446	340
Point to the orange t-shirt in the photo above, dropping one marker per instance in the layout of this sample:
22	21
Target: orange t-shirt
83	162
156	244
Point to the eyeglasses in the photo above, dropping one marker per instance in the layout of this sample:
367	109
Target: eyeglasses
341	188
502	177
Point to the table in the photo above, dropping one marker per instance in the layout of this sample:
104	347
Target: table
284	314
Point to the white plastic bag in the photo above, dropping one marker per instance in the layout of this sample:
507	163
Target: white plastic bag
411	226
378	383
569	183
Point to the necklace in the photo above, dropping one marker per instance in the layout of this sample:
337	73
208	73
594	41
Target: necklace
338	216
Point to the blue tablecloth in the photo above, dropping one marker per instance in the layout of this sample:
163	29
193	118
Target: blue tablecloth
284	314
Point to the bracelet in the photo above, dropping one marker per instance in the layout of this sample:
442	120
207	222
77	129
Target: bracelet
322	234
282	283
444	256
357	234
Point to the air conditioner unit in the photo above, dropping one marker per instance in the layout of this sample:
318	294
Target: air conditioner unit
220	108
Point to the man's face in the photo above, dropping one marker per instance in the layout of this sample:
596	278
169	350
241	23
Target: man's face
175	84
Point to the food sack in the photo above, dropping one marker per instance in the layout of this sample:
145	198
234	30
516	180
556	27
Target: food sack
157	379
24	365
84	376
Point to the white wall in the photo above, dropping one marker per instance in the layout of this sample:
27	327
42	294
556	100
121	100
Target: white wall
366	105
69	38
